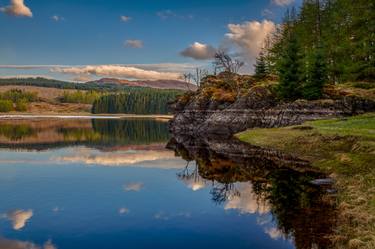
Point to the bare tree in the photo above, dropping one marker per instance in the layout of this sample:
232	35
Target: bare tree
187	79
225	63
199	75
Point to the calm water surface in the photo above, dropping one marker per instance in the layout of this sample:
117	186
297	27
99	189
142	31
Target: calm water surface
111	184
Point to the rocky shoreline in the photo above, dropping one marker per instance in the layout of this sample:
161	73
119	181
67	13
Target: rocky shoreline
260	108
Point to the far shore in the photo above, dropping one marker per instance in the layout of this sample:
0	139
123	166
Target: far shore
82	116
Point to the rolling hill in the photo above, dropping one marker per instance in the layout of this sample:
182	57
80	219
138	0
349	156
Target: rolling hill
161	84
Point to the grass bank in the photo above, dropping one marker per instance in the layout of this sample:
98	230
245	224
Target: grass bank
344	148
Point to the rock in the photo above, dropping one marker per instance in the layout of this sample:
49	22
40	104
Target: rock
326	181
259	108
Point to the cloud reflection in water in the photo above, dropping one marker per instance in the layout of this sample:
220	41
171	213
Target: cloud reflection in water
19	218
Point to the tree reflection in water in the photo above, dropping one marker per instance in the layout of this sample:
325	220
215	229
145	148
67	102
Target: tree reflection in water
44	134
254	181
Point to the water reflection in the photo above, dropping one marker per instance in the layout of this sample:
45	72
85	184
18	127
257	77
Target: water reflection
94	183
19	218
119	158
254	181
18	244
42	134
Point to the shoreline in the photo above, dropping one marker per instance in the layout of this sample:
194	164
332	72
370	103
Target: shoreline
82	116
343	149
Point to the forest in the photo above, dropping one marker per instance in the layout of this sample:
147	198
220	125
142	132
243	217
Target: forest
105	98
326	41
141	101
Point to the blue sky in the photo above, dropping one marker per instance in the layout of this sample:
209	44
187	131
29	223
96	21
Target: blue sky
92	32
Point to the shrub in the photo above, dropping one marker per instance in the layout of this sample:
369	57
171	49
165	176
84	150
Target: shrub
223	96
16	95
80	97
21	106
6	105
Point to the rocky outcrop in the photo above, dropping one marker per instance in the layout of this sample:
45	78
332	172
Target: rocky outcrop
259	108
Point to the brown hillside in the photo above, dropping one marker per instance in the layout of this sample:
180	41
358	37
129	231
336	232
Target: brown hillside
161	84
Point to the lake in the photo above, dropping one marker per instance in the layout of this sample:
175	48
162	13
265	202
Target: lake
126	183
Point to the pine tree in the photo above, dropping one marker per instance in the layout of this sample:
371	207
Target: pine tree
261	70
288	68
317	76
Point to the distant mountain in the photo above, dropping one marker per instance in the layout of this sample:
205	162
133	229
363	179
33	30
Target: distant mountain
160	84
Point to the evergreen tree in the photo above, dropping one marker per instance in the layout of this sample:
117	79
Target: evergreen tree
317	78
140	101
345	30
261	70
288	68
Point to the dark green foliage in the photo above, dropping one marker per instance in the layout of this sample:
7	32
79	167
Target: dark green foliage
317	77
144	101
288	68
136	131
261	70
335	44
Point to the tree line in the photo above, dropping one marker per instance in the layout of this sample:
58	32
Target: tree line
327	41
140	101
51	83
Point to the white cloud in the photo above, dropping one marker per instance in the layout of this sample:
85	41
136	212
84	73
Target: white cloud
123	211
136	186
134	43
17	8
199	51
282	2
118	71
161	216
162	67
56	209
57	18
249	37
165	14
167	67
19	218
267	13
151	71
125	18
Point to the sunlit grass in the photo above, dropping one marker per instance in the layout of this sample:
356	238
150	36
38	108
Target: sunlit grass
344	148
